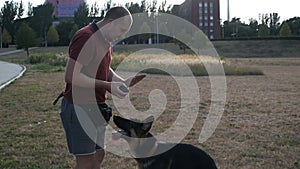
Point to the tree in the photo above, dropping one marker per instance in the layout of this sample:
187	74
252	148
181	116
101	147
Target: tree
274	23
52	35
29	9
41	20
26	38
63	30
6	38
294	24
73	31
285	30
231	29
145	36
134	7
253	27
9	12
186	40
20	10
263	30
94	10
199	41
81	15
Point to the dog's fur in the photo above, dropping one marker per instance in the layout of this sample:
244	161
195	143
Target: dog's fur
180	156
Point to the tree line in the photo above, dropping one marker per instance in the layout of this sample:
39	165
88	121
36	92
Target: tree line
41	28
267	26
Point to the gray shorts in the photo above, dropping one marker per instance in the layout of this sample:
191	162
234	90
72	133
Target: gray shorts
84	128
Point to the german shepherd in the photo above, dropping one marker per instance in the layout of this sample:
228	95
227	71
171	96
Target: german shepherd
150	154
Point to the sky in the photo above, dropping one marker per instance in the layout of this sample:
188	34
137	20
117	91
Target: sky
244	9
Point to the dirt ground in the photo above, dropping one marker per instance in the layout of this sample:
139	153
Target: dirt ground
260	125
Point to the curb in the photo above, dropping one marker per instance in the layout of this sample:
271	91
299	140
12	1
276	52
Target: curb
14	78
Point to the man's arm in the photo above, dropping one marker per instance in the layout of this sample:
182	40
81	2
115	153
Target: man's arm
114	77
74	76
131	81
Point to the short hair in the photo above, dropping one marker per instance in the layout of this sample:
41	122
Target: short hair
116	13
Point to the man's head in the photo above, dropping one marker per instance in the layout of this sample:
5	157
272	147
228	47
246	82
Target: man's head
118	22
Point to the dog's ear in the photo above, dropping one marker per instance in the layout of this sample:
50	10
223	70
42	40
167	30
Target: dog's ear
147	124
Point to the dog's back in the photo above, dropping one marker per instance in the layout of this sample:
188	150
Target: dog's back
181	156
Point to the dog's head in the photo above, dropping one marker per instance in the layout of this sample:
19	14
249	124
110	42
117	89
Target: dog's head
136	133
133	128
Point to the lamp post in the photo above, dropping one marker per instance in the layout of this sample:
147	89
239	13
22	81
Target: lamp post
156	22
1	37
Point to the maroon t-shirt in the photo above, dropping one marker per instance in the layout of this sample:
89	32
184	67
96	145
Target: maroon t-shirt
89	48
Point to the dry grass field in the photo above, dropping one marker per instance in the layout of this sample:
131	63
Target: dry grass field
259	128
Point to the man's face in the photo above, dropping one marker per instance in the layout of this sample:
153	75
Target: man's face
119	28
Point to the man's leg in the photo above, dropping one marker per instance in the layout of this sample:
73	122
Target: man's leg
84	162
90	161
99	156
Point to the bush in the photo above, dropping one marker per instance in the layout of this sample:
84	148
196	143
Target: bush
48	58
48	61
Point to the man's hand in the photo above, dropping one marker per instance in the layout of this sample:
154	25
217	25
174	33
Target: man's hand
131	81
116	88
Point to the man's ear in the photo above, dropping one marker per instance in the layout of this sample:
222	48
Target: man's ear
147	124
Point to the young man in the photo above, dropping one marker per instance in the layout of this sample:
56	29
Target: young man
88	77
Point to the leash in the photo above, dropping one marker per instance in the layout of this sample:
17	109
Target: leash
57	98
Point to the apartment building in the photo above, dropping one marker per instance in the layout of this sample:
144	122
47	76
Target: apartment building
205	14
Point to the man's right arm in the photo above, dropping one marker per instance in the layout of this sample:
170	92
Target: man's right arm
75	77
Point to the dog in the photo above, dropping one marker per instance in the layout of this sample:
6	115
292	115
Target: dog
150	154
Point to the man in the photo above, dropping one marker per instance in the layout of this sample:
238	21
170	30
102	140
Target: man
88	76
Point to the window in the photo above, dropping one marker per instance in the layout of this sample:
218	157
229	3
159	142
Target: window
200	10
205	24
200	4
211	24
200	18
211	18
211	36
205	18
205	4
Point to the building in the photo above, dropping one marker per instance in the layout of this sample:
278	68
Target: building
65	8
205	14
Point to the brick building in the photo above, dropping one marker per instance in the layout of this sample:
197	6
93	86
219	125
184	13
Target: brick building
205	14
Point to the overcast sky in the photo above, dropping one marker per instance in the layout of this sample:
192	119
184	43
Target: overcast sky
244	9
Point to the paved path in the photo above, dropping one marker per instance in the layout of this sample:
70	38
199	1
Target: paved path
11	52
9	72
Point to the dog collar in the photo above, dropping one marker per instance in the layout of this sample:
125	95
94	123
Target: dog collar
152	151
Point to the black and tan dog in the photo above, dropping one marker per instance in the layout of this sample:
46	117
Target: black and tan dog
153	155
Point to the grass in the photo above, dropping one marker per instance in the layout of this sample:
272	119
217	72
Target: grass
54	60
31	134
180	65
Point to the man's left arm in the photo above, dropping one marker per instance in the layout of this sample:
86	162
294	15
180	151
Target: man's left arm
131	81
